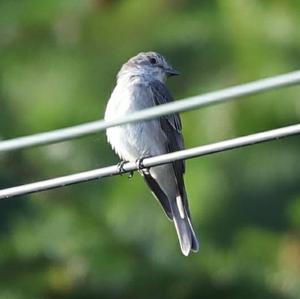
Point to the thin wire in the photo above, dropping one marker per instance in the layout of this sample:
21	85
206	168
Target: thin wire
150	113
153	161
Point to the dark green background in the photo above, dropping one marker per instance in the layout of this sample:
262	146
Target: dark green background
109	238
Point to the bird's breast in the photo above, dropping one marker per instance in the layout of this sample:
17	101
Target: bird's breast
135	140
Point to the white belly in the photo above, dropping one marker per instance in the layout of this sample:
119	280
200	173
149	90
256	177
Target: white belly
136	140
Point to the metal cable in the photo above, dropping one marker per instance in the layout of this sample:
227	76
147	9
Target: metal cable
153	161
177	106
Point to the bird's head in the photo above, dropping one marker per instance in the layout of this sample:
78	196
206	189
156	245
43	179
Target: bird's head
148	64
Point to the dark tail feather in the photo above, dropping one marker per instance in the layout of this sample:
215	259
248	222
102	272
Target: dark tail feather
185	232
159	194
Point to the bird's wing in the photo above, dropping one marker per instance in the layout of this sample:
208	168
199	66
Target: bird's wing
171	127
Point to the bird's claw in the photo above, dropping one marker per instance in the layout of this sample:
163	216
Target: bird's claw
121	169
130	175
120	166
139	163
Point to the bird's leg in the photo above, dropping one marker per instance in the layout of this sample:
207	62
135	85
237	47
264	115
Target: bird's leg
121	168
139	163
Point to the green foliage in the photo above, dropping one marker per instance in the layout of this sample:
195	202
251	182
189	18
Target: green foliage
109	239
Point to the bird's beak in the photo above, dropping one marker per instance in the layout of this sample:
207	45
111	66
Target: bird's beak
172	72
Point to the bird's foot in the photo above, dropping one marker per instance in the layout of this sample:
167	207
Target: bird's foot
120	166
130	175
121	169
139	163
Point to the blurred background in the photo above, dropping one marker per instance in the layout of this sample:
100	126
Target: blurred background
109	238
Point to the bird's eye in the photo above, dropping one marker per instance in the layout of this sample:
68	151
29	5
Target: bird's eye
153	60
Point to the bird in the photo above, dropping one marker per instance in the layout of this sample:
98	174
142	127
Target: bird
140	85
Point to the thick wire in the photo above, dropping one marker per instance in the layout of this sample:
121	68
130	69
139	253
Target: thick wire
153	161
150	113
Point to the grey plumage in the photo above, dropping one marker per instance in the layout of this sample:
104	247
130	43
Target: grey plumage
141	85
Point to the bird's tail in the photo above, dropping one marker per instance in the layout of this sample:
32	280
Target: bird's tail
185	232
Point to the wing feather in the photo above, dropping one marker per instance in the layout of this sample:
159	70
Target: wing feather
171	126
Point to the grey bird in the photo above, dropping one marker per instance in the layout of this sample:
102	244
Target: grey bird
140	85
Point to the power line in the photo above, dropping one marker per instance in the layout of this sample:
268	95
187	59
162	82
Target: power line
153	161
178	106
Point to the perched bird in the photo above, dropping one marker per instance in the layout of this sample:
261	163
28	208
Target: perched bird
140	85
